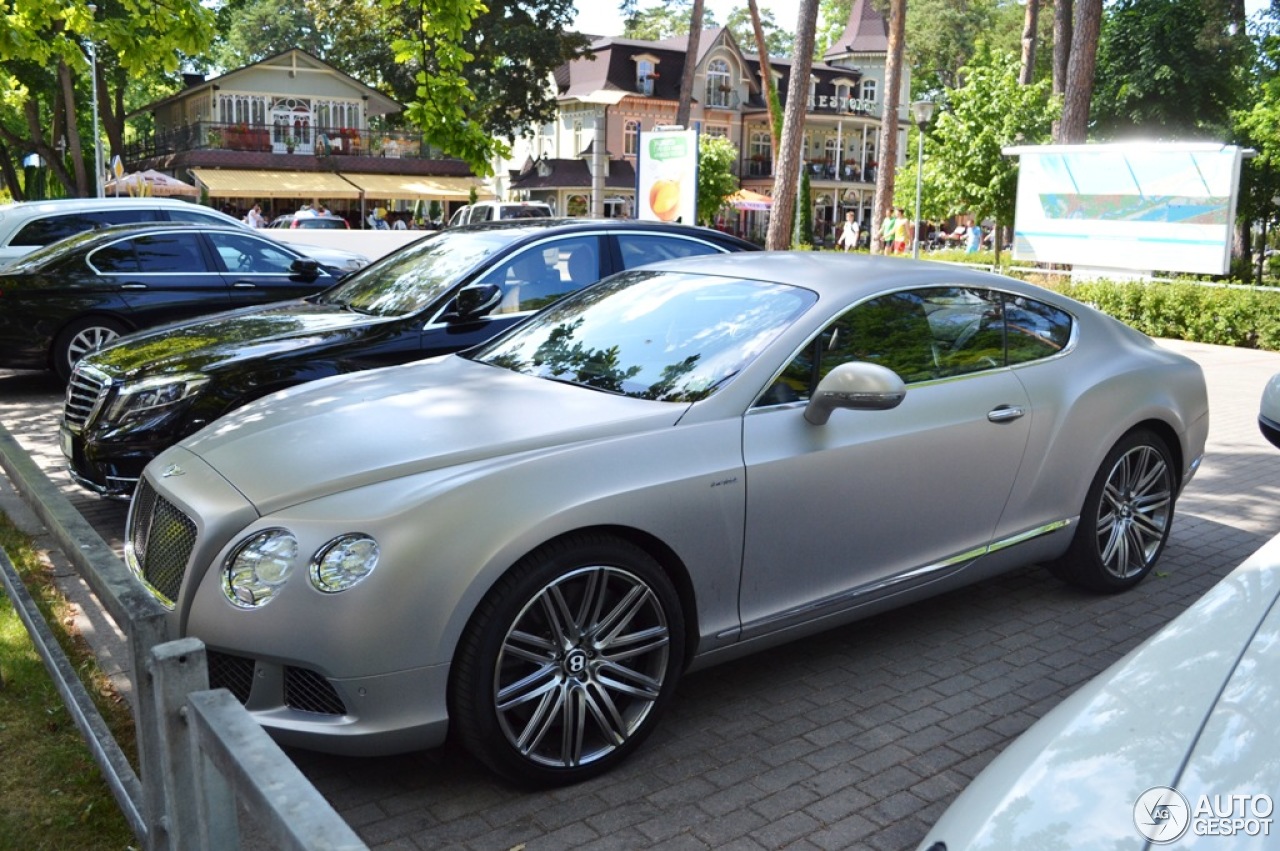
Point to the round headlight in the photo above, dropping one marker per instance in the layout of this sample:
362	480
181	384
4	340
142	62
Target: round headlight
343	562
258	568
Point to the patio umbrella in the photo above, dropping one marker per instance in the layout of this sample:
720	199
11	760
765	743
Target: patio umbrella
149	182
745	199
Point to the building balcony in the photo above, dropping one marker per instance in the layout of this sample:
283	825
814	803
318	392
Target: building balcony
313	141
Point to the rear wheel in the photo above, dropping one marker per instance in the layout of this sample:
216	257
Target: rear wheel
568	662
81	337
1126	517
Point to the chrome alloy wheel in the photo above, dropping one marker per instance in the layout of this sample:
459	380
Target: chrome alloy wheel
581	667
90	339
1134	512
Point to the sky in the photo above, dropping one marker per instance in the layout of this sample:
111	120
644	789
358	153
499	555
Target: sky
600	17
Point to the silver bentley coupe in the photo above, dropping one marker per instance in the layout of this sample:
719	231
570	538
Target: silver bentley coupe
525	545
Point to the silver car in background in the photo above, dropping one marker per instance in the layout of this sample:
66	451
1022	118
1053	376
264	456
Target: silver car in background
528	543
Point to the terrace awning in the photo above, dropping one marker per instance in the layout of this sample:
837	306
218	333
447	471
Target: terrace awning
413	187
260	183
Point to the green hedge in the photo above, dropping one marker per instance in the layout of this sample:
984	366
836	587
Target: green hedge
1184	310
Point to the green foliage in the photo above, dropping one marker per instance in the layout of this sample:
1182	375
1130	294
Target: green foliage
966	169
445	104
1169	69
716	181
54	794
1186	310
804	212
778	41
663	21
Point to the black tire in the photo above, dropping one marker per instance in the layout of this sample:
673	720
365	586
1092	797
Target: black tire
568	662
1125	522
81	337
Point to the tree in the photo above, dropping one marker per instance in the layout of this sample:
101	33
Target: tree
789	153
1073	127
1172	69
685	104
776	41
716	180
887	148
45	54
967	170
660	22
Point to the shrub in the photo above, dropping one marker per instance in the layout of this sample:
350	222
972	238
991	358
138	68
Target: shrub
1218	314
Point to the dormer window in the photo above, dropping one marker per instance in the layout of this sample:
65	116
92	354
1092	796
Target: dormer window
719	86
646	74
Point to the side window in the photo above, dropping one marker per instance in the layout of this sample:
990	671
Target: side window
891	330
480	214
114	259
102	218
51	229
195	214
639	249
246	255
1034	329
170	252
544	273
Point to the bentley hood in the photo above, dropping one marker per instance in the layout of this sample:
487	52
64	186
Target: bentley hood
348	431
205	344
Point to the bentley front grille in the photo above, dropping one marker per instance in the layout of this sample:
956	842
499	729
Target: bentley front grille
161	539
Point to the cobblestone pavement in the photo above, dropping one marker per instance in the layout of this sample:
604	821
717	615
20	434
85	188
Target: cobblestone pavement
857	738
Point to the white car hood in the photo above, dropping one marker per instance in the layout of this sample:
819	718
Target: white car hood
1193	708
344	432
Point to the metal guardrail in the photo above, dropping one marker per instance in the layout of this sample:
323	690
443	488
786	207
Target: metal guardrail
200	753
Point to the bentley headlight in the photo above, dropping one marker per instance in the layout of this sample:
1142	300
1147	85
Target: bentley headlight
343	562
254	573
151	396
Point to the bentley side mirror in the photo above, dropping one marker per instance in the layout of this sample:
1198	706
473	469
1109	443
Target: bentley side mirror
858	386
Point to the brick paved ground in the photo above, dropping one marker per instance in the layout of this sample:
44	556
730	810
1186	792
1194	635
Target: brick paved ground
857	738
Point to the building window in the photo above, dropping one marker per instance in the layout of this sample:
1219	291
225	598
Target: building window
645	75
631	138
718	83
577	137
720	131
869	90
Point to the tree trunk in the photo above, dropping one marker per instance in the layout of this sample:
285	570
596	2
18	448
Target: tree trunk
766	76
789	154
690	62
1062	10
1030	27
1079	85
887	150
81	187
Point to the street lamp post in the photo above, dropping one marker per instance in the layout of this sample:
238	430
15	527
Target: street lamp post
921	112
98	170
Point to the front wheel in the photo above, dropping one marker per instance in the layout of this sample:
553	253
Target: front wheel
1126	517
568	662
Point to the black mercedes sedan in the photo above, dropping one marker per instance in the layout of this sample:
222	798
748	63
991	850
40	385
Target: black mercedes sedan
80	293
448	291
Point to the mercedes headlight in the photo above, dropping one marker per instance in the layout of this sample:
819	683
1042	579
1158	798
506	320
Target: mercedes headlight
150	396
343	562
255	572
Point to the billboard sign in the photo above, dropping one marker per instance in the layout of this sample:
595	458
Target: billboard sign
1167	207
667	176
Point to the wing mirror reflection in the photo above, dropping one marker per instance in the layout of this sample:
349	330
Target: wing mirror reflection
858	386
476	300
305	268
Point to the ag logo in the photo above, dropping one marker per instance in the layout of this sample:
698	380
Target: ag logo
1162	815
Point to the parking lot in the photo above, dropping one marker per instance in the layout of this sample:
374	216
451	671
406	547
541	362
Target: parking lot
856	738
